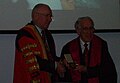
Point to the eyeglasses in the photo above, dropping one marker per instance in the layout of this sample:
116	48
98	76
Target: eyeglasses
46	15
86	28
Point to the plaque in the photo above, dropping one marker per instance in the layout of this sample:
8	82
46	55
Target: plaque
70	61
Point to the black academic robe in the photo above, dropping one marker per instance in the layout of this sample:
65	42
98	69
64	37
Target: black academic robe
100	68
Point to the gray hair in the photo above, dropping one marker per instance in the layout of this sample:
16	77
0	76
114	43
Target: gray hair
80	19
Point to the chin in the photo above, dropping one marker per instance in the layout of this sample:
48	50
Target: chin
45	27
87	40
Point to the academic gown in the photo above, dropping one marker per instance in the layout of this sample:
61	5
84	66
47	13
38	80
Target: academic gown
31	61
100	66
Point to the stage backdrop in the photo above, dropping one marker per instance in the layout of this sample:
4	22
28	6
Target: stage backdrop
106	13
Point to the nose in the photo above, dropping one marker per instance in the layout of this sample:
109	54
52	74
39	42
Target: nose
50	17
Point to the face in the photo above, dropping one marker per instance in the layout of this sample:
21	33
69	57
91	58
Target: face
85	30
42	17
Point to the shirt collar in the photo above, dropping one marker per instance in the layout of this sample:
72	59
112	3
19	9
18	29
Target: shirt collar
39	29
82	43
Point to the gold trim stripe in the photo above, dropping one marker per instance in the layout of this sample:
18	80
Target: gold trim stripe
34	67
31	60
35	81
28	46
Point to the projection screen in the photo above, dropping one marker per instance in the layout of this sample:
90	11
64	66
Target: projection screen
14	14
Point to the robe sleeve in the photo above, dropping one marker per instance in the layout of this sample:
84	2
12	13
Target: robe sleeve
108	72
26	64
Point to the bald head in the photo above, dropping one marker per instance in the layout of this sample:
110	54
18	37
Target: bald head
40	7
42	16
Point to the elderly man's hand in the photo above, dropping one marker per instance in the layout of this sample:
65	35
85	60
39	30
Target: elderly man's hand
81	68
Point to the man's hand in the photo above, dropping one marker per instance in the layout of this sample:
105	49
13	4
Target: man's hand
60	68
81	68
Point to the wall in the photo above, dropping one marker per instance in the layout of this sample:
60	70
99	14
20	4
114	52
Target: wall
7	51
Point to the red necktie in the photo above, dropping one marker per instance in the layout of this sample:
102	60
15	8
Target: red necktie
86	53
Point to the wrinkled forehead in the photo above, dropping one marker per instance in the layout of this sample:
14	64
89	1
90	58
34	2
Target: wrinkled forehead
86	22
44	9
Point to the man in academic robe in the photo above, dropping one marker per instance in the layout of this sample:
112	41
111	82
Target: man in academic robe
93	65
35	54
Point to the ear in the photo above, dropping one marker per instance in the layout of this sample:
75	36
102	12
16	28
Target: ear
78	31
93	29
